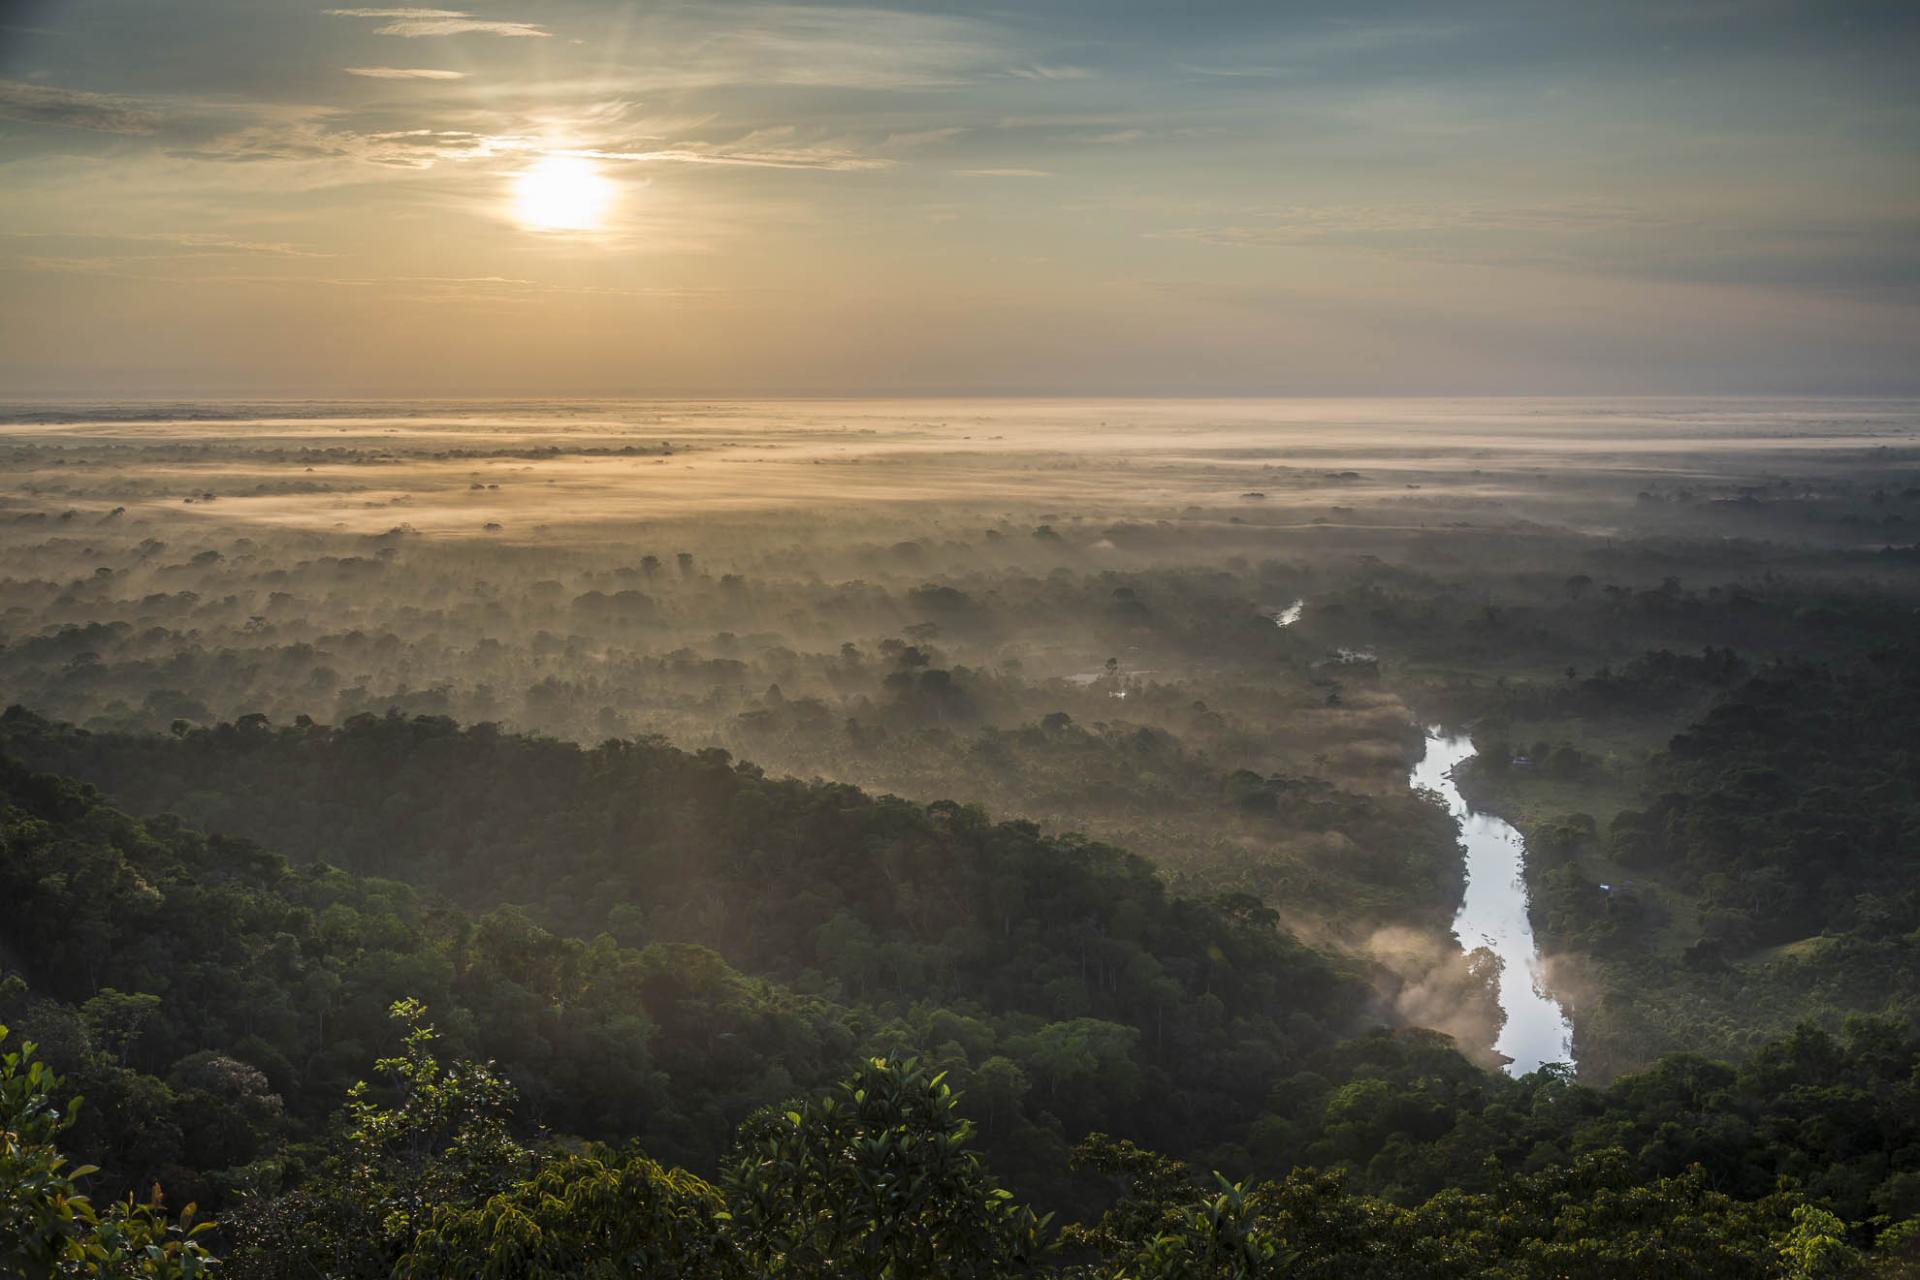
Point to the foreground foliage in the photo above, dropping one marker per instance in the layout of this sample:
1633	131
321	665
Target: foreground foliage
48	1226
874	1180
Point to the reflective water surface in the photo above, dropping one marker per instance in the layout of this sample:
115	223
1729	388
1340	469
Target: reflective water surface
1494	915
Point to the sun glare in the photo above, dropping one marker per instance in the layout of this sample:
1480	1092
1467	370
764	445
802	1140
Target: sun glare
561	193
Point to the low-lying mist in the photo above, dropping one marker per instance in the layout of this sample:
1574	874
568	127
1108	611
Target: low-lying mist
1075	614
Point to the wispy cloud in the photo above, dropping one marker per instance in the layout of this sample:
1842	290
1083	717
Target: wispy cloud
1319	224
773	148
500	288
1044	71
312	139
404	73
1232	73
1597	239
189	243
757	160
399	288
817	46
921	138
515	287
1003	173
608	131
74	108
411	23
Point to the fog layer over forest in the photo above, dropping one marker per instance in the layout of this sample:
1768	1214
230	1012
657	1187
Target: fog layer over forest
1064	612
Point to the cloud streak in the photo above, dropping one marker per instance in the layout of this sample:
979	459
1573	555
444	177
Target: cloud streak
771	148
402	288
404	73
74	109
313	140
1321	224
1043	71
191	243
828	161
413	23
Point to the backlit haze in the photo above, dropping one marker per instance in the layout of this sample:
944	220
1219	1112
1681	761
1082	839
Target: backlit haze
575	197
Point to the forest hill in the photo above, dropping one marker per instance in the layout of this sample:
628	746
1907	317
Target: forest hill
216	1001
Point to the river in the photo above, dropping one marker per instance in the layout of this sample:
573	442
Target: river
1493	914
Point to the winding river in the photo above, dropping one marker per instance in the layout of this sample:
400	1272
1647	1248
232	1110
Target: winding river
1494	915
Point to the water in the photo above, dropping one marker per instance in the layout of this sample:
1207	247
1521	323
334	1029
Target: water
1494	915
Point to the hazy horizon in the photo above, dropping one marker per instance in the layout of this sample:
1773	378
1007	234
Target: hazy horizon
29	404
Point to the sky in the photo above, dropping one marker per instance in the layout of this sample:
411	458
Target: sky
204	198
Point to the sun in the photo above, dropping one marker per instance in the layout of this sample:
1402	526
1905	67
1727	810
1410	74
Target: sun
561	193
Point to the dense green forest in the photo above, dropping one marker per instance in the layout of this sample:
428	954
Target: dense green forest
423	1175
215	1002
1763	869
1060	967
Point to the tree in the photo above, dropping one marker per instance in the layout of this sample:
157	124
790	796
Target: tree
116	1018
1000	1085
1220	1236
592	1216
875	1181
48	1227
1817	1248
442	1143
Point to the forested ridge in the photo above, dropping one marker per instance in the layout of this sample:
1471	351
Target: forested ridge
815	882
1065	960
216	999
